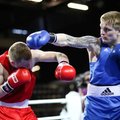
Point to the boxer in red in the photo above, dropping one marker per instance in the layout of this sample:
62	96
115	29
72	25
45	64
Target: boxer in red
17	80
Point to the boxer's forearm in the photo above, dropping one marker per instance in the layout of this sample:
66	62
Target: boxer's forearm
77	42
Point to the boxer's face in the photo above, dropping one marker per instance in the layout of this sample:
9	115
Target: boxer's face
23	63
108	33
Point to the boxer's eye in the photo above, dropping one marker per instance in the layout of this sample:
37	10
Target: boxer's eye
106	29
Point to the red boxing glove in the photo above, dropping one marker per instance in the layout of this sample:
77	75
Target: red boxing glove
19	77
64	71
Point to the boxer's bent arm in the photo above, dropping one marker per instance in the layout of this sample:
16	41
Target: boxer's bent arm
2	93
16	79
49	56
1	74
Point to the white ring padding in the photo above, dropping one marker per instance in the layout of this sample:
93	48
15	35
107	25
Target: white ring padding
47	101
61	101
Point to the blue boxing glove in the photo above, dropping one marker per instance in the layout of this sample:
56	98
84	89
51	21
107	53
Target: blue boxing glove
38	39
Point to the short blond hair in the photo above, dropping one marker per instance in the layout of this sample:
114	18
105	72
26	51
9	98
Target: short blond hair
19	51
113	18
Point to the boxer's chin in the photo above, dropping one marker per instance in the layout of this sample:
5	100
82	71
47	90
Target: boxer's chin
105	40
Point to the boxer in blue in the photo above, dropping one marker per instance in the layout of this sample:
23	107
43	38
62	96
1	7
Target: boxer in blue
103	95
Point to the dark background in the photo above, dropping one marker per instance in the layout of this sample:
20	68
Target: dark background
54	16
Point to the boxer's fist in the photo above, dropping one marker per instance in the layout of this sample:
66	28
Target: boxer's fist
38	39
64	71
19	77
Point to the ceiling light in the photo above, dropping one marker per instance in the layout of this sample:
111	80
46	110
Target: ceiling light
77	6
19	31
35	0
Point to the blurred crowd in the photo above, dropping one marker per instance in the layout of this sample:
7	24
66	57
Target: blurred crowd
75	99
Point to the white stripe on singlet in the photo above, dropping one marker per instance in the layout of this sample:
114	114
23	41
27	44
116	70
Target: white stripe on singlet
103	91
23	104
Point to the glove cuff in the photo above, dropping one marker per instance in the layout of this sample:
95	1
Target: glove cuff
53	38
64	62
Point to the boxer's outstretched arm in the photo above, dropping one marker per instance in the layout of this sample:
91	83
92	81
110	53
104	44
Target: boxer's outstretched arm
90	42
38	39
77	42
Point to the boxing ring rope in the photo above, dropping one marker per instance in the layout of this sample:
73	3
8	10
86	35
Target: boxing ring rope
54	101
49	101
